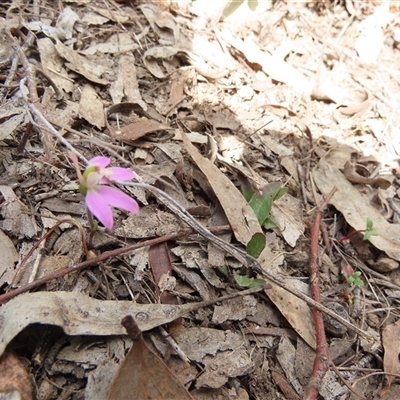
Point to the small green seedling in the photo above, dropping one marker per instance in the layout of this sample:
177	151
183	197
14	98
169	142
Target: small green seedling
355	279
363	128
245	281
370	231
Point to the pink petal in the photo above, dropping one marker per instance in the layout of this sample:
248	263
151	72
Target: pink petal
99	207
116	198
100	161
120	174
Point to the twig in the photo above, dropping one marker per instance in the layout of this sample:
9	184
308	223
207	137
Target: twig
321	361
180	211
347	384
31	84
207	233
95	260
44	123
43	239
243	257
171	341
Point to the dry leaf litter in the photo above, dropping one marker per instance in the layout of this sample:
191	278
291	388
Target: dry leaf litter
198	98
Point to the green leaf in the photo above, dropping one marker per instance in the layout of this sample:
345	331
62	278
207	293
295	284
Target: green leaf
370	224
281	192
354	279
245	281
256	245
269	223
247	189
224	270
262	203
369	233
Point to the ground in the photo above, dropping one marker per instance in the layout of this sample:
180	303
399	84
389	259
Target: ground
257	245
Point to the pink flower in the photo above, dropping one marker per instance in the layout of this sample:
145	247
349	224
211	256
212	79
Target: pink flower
98	196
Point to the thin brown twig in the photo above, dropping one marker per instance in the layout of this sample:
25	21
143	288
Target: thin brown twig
347	384
321	361
95	260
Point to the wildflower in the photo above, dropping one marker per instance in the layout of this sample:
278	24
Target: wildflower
98	196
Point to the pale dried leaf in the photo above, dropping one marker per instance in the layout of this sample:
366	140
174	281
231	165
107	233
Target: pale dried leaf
149	222
370	35
273	66
59	205
339	156
93	18
304	361
390	342
224	365
356	208
220	394
91	107
10	124
179	79
234	310
273	144
140	260
15	220
212	341
151	56
119	16
159	20
78	314
224	120
240	215
196	281
89	69
65	23
116	44
296	311
216	256
61	117
41	27
126	84
9	257
290	164
286	354
100	379
7	110
325	89
287	212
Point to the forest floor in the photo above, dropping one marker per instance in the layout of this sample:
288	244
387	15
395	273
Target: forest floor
264	140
